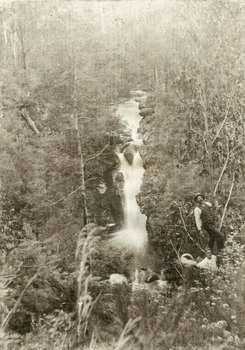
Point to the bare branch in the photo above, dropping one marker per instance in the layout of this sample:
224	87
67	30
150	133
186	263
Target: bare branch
177	253
233	149
197	132
223	122
233	154
61	199
205	145
229	155
227	202
203	137
203	102
68	195
29	121
185	228
175	250
27	50
7	318
222	171
97	155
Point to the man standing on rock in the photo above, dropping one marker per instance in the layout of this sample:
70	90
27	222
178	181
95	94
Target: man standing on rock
205	220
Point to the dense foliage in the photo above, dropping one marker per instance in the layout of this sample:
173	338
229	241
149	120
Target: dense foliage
195	142
56	119
65	64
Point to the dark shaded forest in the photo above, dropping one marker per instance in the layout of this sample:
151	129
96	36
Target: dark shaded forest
65	67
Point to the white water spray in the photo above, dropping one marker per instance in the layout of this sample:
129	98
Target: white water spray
129	112
133	234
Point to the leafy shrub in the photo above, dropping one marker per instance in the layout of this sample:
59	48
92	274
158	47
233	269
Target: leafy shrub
108	259
51	288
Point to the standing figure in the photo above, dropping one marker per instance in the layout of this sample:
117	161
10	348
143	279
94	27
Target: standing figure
205	220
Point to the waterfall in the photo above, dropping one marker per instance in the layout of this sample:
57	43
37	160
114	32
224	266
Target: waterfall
133	234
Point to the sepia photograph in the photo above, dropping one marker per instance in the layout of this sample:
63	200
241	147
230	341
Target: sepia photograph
122	185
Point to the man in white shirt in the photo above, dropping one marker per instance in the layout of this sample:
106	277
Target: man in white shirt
209	263
205	220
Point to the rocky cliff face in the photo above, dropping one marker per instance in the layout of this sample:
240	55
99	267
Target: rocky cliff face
105	197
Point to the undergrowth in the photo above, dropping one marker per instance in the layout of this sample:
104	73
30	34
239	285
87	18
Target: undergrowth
208	314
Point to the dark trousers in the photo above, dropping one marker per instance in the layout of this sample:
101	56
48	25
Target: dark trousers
214	236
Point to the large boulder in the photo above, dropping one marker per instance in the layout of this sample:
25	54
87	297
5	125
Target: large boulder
146	111
129	152
129	156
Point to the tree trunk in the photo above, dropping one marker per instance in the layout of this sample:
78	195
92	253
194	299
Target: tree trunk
207	139
29	121
23	53
79	148
13	38
81	170
156	77
5	32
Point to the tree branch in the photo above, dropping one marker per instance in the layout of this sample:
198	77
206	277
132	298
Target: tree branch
227	202
178	256
177	253
222	171
61	199
197	132
233	149
185	228
223	122
229	155
175	250
7	318
68	195
29	121
96	155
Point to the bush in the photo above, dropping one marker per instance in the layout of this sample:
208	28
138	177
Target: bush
107	260
51	288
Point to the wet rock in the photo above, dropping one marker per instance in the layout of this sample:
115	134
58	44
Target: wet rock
125	146
138	93
129	156
146	104
146	111
107	207
119	177
102	188
151	278
129	152
125	136
112	227
117	278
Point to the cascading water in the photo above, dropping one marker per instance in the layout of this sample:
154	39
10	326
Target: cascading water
133	234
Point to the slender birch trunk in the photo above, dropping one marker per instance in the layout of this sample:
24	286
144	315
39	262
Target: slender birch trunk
29	121
207	138
79	147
